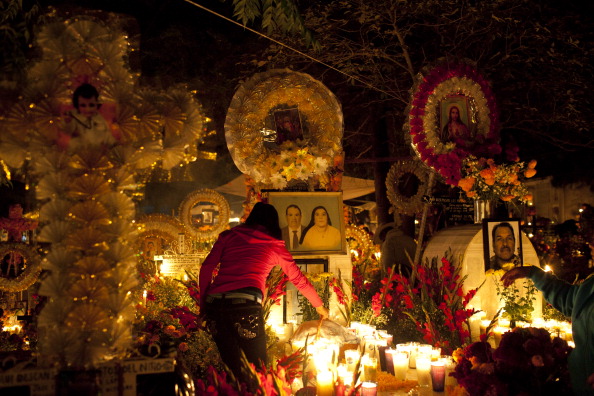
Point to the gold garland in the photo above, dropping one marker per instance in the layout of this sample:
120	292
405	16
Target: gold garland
360	244
254	102
31	272
205	195
406	205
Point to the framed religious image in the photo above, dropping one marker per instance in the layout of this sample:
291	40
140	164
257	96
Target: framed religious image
502	242
311	222
288	125
152	247
455	120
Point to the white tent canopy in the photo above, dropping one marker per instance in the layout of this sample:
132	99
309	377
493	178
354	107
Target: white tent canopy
352	187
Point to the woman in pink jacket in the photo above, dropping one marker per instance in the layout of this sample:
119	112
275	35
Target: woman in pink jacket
231	296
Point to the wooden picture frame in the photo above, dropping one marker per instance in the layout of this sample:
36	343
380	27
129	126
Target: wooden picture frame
322	239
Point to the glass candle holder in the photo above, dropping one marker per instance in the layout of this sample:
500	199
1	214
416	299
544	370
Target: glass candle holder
438	375
390	360
400	365
423	370
368	389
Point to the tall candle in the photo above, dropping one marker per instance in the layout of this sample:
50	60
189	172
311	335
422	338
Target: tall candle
438	375
325	385
370	369
352	357
390	360
400	365
423	370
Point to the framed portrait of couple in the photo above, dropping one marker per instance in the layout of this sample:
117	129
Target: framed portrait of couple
311	222
502	242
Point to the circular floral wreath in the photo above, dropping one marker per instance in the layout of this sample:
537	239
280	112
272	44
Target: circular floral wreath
266	92
405	204
205	195
158	226
31	272
359	241
423	124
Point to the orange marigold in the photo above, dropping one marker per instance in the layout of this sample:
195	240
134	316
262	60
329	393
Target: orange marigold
490	181
529	172
507	197
528	197
466	183
532	164
471	194
487	174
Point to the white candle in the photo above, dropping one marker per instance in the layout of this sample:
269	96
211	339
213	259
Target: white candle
325	385
424	370
400	365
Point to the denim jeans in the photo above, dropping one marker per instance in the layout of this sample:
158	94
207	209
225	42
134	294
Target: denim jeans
236	327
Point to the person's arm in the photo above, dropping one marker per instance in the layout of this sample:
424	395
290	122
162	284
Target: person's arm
558	293
290	268
207	268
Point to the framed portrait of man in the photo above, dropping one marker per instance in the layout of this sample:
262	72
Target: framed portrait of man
311	222
502	241
455	121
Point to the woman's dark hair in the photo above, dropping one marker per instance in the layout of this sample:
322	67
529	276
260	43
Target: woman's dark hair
85	90
266	216
312	222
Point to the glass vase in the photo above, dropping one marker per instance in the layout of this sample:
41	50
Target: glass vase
483	209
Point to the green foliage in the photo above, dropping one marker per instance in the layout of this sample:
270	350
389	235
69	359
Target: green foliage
320	283
518	305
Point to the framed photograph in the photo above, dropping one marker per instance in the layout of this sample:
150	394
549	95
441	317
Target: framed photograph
502	243
455	121
311	222
152	247
288	125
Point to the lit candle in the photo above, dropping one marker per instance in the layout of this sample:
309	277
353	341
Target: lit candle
400	365
435	353
370	369
144	294
390	360
450	382
484	324
438	375
351	356
368	389
325	385
423	370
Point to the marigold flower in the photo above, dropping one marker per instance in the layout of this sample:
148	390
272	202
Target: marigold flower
471	194
532	164
529	172
528	197
183	346
466	183
490	181
507	198
487	174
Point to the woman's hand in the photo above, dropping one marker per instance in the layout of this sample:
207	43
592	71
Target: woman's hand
323	312
515	273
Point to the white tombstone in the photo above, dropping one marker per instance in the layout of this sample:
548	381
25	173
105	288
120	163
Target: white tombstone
465	244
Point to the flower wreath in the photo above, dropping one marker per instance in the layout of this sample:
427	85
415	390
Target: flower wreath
158	225
359	241
256	100
405	204
31	272
205	195
423	124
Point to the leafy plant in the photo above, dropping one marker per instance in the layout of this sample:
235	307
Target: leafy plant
517	306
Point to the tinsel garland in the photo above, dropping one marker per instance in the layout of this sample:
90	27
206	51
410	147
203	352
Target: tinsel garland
407	204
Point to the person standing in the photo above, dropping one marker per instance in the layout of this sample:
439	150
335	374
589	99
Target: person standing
575	301
232	282
292	232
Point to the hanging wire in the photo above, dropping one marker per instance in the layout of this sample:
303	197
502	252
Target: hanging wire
290	48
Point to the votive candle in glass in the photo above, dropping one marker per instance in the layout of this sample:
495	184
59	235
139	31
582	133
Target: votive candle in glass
370	369
423	370
390	360
400	365
351	356
325	383
438	375
368	389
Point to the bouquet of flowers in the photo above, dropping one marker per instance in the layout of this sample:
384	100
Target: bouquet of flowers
527	362
484	179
